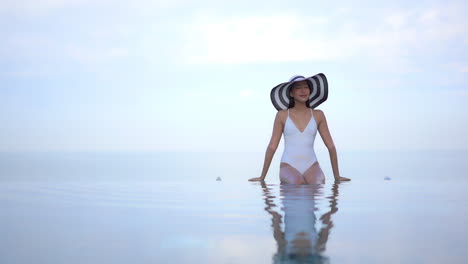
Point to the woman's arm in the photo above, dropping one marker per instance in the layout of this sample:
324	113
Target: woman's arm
278	234
327	222
272	146
327	139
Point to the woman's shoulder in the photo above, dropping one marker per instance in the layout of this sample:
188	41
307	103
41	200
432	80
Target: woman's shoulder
318	112
319	115
282	112
282	115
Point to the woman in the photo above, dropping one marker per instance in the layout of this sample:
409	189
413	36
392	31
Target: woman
296	118
300	240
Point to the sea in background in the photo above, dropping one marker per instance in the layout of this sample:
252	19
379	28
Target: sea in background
168	207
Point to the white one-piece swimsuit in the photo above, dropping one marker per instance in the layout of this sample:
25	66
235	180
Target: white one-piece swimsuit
299	146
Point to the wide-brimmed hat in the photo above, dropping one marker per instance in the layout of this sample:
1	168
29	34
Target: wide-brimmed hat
318	85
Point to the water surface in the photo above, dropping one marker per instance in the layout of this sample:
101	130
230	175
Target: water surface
120	208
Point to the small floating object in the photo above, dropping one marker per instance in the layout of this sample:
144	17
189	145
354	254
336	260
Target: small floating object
387	178
218	179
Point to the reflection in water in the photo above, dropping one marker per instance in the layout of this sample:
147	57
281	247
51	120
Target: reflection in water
300	242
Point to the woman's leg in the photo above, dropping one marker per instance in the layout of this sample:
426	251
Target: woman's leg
290	175
314	174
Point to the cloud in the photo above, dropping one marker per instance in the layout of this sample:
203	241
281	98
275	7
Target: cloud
391	37
37	7
257	39
397	20
24	74
456	66
40	8
93	55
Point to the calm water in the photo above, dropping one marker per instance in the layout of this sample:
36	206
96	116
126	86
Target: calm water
168	208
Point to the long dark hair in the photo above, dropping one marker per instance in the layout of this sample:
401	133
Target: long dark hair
291	99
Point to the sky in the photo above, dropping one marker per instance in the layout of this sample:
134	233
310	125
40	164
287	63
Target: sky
179	75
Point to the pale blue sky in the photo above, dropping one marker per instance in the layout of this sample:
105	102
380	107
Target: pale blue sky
84	75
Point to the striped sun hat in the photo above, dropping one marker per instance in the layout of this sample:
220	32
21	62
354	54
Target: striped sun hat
319	91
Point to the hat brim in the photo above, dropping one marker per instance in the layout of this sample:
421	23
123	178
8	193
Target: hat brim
319	92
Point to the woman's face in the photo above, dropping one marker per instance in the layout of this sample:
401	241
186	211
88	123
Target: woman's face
300	91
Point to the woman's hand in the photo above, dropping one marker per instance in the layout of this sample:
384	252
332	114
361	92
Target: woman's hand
342	179
256	179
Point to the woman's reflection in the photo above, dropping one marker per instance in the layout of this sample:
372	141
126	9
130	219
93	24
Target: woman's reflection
300	242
